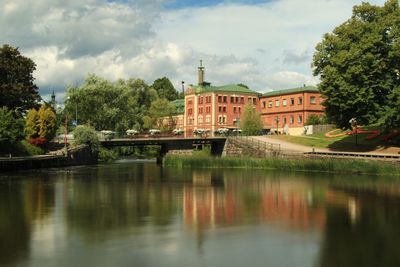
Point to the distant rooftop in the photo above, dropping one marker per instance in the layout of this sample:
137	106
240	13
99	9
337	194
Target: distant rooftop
179	105
292	91
230	88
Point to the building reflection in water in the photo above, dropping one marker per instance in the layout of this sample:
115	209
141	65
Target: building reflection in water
214	200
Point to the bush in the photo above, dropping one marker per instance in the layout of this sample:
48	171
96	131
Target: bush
11	127
86	135
38	141
107	155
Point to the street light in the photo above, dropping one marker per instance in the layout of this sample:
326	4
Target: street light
277	123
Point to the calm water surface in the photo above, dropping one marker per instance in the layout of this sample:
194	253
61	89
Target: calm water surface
140	214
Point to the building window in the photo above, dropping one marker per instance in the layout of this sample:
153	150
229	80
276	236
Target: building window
190	121
242	100
234	109
200	110
270	104
312	100
223	109
284	102
225	99
208	109
190	111
292	101
200	100
236	99
300	119
239	109
264	104
291	119
277	103
208	99
232	99
190	102
219	109
219	98
254	101
200	119
300	100
208	119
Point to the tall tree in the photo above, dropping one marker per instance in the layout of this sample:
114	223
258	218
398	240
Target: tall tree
17	88
160	115
47	122
165	89
32	124
358	64
114	106
251	121
359	67
11	127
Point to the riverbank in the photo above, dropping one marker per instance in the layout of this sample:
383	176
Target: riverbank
341	166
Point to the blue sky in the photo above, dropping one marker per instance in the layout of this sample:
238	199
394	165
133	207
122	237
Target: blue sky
204	3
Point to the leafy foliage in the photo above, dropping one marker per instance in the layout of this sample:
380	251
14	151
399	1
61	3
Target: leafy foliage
110	106
17	90
251	121
160	115
316	120
11	126
47	122
359	67
165	89
40	124
87	135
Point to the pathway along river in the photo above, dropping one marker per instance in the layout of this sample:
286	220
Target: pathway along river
140	214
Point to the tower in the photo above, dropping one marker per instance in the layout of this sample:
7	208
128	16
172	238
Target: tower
201	73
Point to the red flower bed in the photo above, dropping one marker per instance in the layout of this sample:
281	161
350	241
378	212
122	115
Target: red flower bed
39	141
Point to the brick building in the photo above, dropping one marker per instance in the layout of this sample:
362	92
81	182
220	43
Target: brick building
286	111
213	107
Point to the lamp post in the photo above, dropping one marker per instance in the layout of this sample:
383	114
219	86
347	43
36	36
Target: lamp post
277	123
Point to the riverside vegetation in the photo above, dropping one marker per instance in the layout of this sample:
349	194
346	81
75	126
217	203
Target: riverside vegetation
341	166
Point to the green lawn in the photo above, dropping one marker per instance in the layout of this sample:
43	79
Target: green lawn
344	143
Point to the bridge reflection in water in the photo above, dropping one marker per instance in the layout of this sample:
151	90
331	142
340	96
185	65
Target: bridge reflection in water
170	143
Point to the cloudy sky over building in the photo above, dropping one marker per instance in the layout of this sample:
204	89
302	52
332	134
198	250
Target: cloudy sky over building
262	43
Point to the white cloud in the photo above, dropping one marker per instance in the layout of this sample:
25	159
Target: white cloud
266	46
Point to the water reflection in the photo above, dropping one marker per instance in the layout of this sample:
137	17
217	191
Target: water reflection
141	214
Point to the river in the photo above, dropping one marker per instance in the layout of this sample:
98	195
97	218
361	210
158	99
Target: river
136	213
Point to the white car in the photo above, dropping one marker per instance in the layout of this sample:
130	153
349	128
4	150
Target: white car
131	133
154	132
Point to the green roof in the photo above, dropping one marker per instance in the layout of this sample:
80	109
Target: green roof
230	88
179	105
292	91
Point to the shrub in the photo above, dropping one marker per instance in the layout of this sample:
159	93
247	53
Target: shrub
88	136
107	155
11	127
38	141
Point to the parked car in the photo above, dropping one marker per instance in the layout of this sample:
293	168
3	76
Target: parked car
154	132
107	134
131	133
177	131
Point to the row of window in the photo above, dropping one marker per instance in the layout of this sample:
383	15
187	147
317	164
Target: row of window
200	120
207	98
283	121
313	100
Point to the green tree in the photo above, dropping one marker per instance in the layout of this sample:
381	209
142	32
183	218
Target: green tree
11	127
359	67
160	115
165	89
87	135
47	122
251	120
17	89
110	106
32	124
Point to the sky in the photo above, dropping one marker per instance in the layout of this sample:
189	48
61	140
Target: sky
265	44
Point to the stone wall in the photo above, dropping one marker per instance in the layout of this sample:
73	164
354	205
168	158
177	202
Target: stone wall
80	155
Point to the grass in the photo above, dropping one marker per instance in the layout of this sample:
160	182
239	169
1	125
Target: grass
309	165
342	143
22	148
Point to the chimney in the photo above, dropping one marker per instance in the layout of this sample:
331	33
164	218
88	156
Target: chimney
201	73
